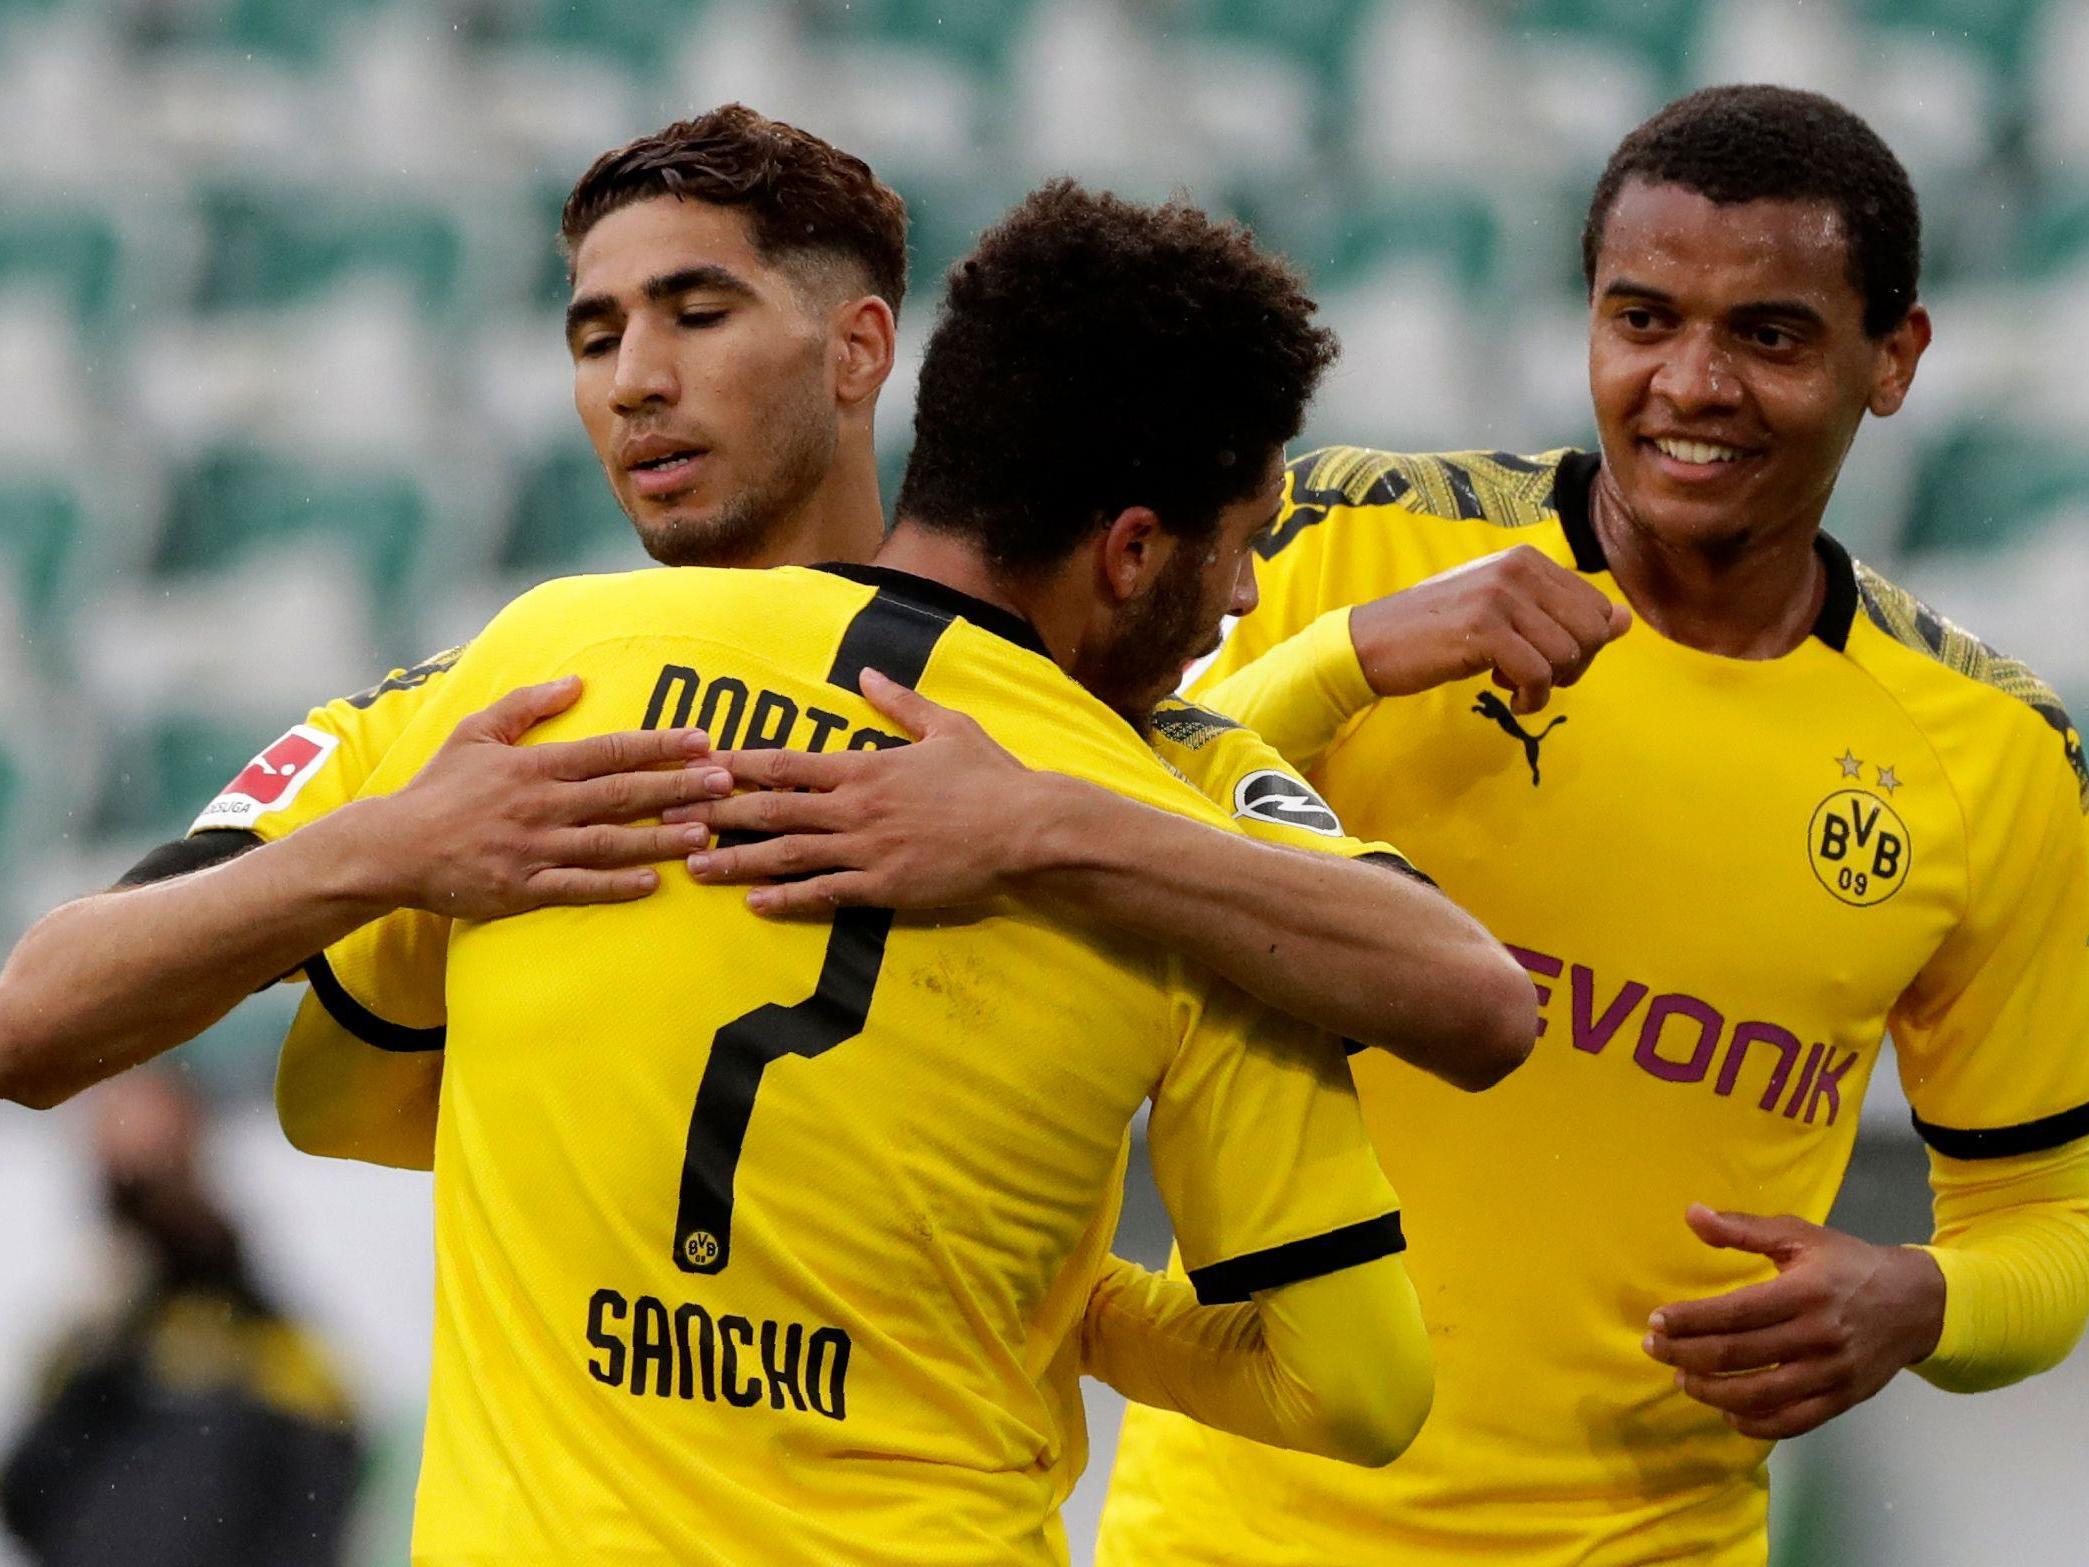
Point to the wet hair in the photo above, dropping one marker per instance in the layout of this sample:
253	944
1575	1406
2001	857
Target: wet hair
1094	354
1737	144
804	199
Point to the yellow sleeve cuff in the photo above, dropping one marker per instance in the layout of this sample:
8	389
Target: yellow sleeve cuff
1299	694
2012	1243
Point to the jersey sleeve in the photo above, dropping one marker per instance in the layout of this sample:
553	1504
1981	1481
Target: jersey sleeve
1302	693
1259	1149
323	763
1242	774
1993	1036
360	1075
1301	574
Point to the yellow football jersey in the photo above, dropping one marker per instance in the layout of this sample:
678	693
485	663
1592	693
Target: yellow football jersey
1728	879
369	1092
752	1238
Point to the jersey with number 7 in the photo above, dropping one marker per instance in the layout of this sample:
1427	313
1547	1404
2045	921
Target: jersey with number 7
751	1238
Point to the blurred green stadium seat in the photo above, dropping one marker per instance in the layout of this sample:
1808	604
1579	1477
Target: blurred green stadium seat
1340	234
978	34
1984	485
237	500
271	246
1998	31
40	521
564	517
1660	32
2053	240
293	32
640	36
166	769
74	252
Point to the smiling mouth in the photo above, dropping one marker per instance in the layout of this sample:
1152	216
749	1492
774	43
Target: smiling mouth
1698	453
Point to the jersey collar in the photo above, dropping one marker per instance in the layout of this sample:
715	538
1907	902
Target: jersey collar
1573	484
941	599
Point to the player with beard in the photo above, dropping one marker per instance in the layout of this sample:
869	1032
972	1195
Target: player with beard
771	1242
735	287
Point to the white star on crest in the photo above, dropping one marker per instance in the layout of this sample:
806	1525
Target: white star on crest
1851	767
1887	780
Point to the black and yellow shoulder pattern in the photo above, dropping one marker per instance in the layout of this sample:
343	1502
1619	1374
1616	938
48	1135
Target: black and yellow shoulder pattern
1188	725
1909	621
1494	487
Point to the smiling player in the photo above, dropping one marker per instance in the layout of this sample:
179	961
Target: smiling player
1793	809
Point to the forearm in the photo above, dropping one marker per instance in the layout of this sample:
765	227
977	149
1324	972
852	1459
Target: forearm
110	980
1300	693
1355	948
1338	1366
2012	1240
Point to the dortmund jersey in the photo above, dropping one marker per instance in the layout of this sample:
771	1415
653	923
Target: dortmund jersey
752	1237
1727	879
368	1091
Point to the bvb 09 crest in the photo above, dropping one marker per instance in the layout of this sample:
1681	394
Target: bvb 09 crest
1859	847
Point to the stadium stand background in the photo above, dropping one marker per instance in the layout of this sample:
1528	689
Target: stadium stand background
285	404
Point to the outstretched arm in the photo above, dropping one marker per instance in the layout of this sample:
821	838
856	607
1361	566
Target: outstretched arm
1362	950
488	827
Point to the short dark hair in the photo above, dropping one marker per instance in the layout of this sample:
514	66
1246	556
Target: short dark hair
1094	354
1755	143
803	197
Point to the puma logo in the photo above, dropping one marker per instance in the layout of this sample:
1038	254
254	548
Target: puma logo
1492	707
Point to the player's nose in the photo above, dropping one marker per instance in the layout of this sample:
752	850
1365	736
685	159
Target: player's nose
1696	374
645	369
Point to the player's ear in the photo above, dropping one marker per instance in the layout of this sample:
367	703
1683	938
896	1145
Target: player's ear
865	341
1131	552
1894	361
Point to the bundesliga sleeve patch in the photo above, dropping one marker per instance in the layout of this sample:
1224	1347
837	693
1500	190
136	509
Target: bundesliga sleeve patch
1276	797
270	781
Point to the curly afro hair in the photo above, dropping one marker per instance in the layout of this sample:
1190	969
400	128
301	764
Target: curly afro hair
1736	144
1094	354
802	196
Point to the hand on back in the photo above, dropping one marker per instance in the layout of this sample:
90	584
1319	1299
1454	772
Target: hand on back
492	827
1523	618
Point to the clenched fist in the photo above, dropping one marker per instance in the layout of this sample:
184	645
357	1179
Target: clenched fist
1529	621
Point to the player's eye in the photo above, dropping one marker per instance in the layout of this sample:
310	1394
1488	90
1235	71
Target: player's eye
1771	337
1638	318
698	319
595	347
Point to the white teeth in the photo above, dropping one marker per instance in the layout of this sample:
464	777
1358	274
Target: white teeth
1697	451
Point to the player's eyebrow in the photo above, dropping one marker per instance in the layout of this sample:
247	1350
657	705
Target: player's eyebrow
1626	288
1796	310
590	308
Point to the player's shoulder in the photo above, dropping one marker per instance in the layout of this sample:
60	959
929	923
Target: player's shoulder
1237	770
1486	496
1973	702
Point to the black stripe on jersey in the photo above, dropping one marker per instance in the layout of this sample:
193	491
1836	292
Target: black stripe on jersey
360	1021
1999	1142
1839	606
1462	493
198	851
890	635
1397	862
1230	1282
931	600
1573	487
